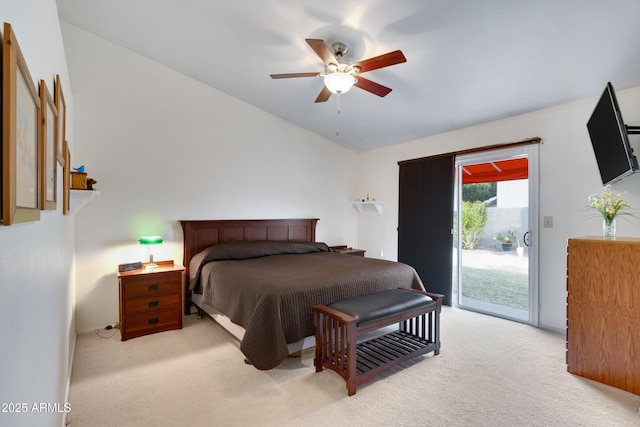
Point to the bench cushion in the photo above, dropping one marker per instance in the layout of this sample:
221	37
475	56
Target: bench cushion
380	305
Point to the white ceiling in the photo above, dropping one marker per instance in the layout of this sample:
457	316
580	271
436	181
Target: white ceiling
468	61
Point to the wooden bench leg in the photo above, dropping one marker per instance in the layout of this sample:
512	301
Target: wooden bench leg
352	357
436	329
351	386
320	344
319	339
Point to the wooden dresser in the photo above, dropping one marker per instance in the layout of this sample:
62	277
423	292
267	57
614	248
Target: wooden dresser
603	310
150	300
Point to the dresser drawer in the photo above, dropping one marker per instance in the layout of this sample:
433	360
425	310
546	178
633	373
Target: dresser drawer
153	303
158	321
151	286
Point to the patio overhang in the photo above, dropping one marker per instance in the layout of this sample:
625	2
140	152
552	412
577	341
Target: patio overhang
500	170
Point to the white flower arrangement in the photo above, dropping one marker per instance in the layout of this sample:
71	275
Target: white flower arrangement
608	204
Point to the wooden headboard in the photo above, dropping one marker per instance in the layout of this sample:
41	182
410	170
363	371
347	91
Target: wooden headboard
200	234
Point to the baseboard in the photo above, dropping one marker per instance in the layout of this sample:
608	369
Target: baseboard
87	331
68	392
97	328
553	329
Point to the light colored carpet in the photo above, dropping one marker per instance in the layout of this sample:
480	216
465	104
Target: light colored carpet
490	372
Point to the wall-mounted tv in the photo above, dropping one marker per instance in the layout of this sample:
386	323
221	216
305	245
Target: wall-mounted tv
609	138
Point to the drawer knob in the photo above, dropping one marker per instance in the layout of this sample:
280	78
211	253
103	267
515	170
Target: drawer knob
153	287
153	321
153	303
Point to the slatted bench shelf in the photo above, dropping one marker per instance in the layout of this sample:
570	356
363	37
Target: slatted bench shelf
339	324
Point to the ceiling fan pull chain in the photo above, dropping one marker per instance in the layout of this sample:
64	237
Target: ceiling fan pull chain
338	116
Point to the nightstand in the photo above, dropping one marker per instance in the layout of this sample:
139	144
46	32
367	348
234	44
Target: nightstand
349	251
150	300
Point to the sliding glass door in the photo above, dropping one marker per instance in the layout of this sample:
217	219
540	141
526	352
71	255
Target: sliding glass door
495	251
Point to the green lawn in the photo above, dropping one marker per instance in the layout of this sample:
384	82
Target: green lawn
495	286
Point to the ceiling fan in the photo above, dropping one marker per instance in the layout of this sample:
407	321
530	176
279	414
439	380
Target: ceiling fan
339	77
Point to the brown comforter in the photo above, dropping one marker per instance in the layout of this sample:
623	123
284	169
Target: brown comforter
269	287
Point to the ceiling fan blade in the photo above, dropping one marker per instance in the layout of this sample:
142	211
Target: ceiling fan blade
322	50
391	58
290	75
324	95
373	87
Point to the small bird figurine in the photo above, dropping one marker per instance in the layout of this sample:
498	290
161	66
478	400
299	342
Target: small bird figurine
79	169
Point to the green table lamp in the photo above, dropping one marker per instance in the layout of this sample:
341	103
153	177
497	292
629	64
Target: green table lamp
148	241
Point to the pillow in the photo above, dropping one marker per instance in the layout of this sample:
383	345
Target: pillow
245	250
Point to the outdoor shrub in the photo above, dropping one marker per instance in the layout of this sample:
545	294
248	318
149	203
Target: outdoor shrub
474	217
479	192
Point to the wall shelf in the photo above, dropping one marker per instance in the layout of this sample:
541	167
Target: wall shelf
361	206
79	198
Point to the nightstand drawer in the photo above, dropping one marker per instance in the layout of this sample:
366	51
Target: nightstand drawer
153	322
149	304
151	286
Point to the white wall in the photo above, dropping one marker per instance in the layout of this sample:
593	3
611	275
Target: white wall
568	174
164	147
37	330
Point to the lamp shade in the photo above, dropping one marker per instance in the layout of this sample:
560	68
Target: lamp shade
150	240
339	82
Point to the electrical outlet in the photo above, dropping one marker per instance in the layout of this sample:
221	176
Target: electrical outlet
547	222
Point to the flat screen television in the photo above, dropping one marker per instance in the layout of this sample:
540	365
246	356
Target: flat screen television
608	133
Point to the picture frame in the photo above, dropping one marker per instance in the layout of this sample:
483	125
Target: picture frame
21	150
61	123
66	180
48	138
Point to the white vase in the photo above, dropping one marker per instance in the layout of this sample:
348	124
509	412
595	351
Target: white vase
609	229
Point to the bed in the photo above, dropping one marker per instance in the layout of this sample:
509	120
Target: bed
260	278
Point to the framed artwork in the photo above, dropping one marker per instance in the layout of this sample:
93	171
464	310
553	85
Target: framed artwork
61	123
49	164
66	180
21	151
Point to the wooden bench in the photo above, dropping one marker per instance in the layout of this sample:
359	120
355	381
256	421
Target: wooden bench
339	324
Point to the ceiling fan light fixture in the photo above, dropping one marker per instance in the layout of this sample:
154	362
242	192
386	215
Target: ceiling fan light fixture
340	77
339	82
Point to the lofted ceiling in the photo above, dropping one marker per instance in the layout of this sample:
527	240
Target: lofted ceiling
468	61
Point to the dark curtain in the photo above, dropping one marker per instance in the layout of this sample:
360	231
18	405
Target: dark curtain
425	220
